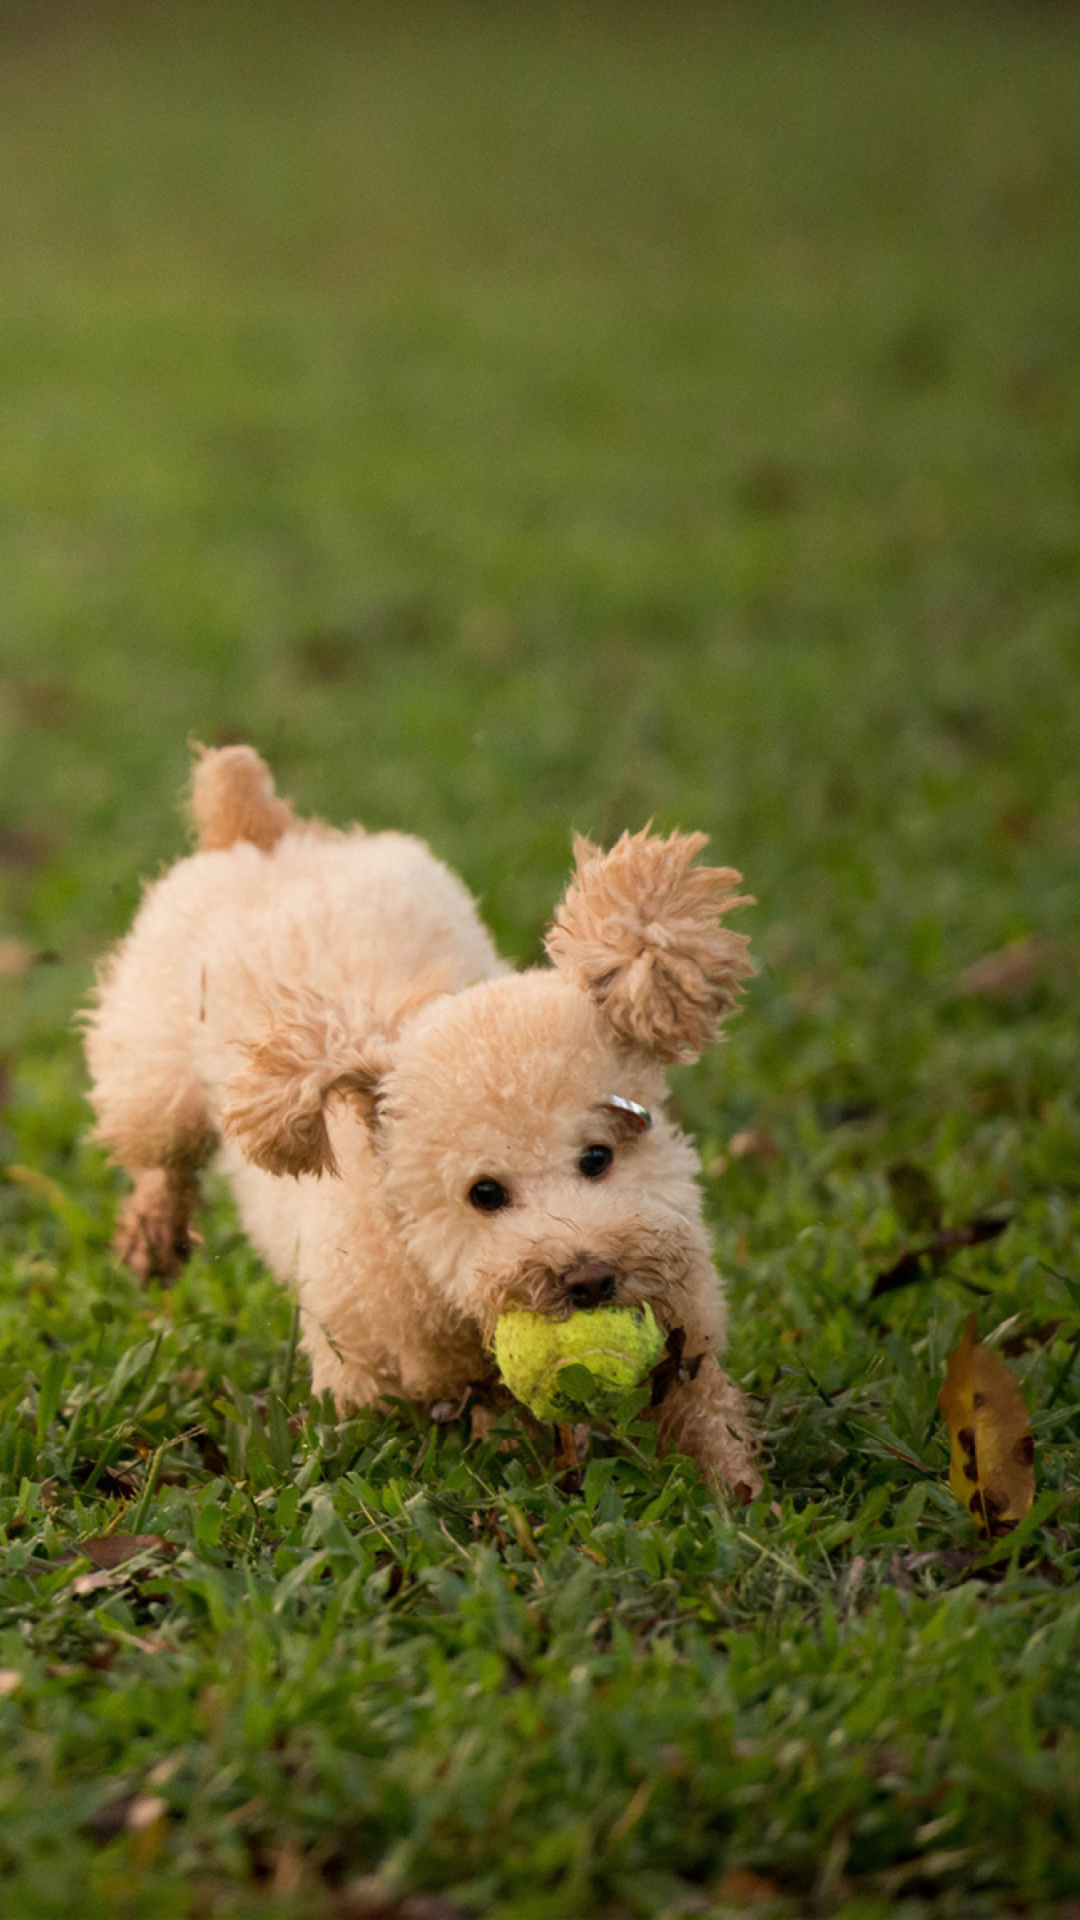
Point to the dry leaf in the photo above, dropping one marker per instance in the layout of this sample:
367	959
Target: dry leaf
936	1252
109	1553
110	1550
10	1678
1006	974
991	1445
109	1820
135	1813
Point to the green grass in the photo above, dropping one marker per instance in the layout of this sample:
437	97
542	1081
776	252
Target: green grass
517	419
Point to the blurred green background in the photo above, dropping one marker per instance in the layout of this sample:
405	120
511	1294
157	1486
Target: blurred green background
517	418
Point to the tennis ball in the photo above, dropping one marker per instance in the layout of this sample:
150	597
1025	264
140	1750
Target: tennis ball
616	1346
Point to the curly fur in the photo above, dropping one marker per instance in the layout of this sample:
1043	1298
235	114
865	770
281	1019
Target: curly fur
638	930
276	1107
326	1012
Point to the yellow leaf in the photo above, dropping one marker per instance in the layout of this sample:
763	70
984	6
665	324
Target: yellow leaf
991	1445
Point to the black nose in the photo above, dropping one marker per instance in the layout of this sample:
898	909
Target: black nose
590	1284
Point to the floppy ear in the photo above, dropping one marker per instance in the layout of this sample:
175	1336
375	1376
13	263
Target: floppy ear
276	1106
638	931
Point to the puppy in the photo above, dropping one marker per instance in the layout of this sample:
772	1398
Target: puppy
418	1138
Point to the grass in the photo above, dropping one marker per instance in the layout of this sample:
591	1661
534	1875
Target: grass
519	419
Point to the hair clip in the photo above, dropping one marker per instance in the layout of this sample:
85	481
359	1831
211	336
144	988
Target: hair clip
638	1119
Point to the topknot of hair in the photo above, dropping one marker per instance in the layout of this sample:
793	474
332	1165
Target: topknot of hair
639	931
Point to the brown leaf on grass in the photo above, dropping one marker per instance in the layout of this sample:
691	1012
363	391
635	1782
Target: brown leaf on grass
110	1550
1006	974
109	1553
128	1813
109	1820
991	1445
936	1253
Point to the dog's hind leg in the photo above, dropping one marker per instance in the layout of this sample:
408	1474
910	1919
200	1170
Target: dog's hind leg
151	1113
153	1228
142	1035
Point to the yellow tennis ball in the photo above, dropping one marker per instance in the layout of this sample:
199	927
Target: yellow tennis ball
617	1347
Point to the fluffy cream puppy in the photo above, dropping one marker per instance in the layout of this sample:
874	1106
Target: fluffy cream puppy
416	1136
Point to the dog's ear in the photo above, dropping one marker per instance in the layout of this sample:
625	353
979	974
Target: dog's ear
310	1055
638	930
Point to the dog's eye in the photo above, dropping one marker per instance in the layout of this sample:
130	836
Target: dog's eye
489	1196
595	1161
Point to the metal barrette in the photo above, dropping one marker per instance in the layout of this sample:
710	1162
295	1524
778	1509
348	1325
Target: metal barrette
638	1119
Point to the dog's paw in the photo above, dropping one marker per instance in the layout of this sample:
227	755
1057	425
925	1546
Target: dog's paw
153	1236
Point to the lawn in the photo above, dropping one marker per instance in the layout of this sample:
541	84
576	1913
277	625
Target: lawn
519	419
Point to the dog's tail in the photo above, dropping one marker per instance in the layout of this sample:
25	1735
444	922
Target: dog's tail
233	798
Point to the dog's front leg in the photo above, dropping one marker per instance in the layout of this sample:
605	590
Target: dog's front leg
704	1415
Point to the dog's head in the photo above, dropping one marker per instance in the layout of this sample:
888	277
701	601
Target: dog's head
517	1121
